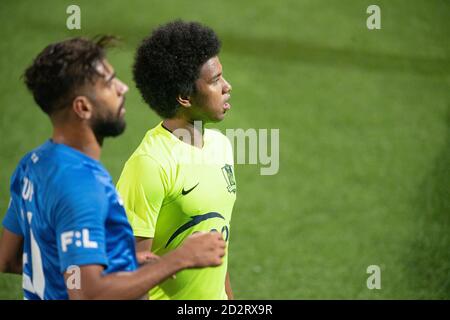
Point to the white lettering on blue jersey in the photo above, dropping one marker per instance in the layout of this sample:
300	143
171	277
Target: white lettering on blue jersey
27	191
82	239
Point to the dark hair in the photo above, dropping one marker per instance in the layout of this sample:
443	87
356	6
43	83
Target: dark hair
62	68
167	63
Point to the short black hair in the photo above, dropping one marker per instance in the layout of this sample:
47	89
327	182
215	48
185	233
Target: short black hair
168	62
62	68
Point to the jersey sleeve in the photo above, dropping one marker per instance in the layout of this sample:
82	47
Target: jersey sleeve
79	215
142	186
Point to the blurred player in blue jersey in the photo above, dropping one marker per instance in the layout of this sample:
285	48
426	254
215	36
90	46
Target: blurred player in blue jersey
65	229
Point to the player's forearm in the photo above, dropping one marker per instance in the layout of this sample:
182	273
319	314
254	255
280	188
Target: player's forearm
11	251
15	268
133	285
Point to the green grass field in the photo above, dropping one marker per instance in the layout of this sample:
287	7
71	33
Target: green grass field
364	119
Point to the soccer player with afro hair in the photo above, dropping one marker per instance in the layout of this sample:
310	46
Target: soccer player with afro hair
180	179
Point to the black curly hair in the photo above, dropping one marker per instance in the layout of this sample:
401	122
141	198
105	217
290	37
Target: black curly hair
167	63
62	68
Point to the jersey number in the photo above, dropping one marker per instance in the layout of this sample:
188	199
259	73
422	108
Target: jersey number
37	284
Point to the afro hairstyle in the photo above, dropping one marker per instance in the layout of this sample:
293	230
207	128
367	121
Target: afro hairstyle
168	63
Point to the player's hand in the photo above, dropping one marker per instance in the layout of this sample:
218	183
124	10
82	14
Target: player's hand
204	249
144	257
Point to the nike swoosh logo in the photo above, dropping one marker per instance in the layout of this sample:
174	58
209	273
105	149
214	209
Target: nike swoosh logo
194	221
185	192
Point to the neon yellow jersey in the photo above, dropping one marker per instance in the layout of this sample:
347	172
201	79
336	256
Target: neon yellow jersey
172	189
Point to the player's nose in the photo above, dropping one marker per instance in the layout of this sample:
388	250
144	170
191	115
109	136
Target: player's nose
227	86
122	88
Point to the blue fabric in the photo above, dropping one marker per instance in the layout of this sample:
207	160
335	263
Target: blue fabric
67	209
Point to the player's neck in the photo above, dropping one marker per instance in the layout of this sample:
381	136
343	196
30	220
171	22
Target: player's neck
195	130
81	139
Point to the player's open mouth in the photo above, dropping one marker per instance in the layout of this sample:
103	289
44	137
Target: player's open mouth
227	105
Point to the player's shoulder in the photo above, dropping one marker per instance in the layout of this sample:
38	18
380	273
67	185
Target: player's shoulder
39	163
217	136
141	161
61	168
54	155
34	155
156	148
77	187
70	177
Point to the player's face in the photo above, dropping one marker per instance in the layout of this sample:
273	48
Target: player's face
210	101
109	102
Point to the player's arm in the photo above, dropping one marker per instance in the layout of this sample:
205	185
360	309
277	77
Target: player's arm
228	290
11	241
143	250
199	250
144	254
11	246
143	244
143	185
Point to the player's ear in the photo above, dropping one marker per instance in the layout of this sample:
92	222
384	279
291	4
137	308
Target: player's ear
184	101
82	107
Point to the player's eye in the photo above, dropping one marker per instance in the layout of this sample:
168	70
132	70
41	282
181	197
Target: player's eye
110	81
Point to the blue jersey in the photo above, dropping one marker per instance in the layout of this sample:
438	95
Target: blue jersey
66	207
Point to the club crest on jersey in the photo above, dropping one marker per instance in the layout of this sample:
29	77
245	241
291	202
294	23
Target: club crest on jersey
228	174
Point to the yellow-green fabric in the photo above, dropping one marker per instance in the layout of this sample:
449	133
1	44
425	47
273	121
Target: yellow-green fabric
172	189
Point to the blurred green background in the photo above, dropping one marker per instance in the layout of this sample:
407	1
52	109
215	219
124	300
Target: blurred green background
364	119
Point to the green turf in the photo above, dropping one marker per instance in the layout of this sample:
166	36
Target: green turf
364	119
